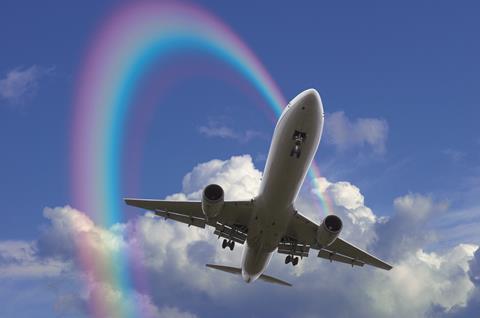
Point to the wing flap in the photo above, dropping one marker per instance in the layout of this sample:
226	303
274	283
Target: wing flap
338	258
343	247
191	208
189	220
231	233
293	249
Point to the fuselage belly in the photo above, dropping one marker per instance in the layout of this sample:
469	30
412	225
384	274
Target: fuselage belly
294	144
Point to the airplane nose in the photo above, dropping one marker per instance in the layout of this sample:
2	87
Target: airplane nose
311	99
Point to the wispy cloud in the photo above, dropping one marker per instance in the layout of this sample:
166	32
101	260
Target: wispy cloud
454	154
21	83
345	134
216	129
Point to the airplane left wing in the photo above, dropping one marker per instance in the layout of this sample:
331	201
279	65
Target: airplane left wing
232	223
301	237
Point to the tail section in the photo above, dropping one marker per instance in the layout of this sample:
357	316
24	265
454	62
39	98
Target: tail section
238	271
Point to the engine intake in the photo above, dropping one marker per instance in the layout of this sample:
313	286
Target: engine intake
212	200
329	230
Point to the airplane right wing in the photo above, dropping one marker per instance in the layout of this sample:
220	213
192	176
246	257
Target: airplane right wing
301	237
342	247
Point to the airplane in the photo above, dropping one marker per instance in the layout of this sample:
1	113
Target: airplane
270	221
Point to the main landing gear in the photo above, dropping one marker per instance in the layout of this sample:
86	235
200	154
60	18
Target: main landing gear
230	244
292	259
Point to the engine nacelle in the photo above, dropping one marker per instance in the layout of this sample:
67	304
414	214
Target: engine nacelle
329	230
212	200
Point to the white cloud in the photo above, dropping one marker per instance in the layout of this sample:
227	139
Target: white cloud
407	229
420	280
444	274
117	303
172	258
21	83
20	259
343	133
215	128
237	176
157	246
348	203
417	207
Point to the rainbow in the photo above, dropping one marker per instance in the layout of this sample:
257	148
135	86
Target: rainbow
127	44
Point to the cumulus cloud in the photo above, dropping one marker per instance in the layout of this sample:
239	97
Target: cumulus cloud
168	258
215	128
345	134
21	83
155	245
421	279
407	229
118	303
114	303
346	201
237	176
472	308
21	259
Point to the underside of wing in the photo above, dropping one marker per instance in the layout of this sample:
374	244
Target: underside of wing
301	237
232	223
190	208
188	212
349	250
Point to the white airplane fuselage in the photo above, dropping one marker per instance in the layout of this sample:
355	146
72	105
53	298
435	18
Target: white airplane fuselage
294	144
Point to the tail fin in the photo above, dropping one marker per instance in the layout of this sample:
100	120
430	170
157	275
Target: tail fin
238	271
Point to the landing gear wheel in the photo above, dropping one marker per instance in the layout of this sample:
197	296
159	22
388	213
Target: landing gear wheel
231	245
288	259
296	151
295	261
224	243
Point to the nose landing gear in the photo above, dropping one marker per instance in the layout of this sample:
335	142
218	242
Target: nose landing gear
298	137
291	259
230	244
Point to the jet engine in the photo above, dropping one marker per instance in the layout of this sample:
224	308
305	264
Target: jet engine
212	200
329	230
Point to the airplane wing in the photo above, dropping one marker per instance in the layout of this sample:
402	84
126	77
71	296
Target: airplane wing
231	224
301	237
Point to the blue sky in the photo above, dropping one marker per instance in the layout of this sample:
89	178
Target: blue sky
399	83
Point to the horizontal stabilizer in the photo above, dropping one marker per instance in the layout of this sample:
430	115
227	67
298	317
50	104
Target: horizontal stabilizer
238	271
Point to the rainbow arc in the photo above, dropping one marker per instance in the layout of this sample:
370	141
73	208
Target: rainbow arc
127	44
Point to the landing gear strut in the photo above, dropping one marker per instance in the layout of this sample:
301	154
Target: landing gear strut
296	151
298	138
292	259
230	244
